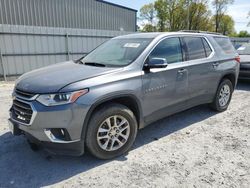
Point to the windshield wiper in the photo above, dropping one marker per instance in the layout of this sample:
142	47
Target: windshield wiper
95	64
78	61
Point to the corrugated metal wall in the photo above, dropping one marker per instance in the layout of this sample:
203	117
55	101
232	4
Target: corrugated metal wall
24	48
84	14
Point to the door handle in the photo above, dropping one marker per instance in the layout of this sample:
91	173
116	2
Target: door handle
181	71
215	65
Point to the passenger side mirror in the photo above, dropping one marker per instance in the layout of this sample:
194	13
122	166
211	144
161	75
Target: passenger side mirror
156	63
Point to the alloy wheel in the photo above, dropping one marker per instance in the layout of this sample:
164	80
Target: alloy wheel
113	133
224	95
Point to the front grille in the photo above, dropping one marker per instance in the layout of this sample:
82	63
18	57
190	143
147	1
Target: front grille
21	112
23	94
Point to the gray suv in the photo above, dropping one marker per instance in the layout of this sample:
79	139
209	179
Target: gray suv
100	101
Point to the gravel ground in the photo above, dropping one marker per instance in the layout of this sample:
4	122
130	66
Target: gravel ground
195	148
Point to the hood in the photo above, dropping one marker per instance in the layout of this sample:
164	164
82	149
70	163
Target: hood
52	78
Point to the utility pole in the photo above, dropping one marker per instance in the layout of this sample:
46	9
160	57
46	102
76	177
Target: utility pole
188	3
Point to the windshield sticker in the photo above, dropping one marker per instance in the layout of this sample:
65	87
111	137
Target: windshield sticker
241	48
131	45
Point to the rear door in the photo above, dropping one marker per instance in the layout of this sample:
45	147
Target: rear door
201	72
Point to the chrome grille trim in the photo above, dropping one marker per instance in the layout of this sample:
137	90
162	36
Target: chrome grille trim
33	112
24	95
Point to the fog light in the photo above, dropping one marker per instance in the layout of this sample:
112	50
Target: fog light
58	135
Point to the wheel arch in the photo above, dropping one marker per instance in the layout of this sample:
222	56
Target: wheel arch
128	100
231	76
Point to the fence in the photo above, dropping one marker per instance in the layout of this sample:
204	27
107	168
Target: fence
239	41
24	48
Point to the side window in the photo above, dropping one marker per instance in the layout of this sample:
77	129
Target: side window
170	49
208	50
225	44
194	47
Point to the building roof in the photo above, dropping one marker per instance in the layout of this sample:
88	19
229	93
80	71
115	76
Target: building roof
116	5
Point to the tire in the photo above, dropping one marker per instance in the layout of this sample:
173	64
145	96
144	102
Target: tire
217	103
102	138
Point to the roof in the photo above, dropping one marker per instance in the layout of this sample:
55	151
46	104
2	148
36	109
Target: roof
141	35
116	5
156	34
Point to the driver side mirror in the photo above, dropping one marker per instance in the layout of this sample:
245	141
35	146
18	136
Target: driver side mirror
156	63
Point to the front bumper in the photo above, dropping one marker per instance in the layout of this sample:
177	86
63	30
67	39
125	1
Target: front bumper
69	118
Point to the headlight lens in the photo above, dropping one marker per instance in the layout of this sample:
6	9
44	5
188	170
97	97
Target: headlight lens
60	98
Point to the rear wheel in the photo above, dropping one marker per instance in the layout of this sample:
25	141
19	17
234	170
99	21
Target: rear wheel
223	96
111	131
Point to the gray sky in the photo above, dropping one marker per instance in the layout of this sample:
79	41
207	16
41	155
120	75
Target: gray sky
238	10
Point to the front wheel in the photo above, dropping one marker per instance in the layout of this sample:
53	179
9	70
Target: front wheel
223	96
111	131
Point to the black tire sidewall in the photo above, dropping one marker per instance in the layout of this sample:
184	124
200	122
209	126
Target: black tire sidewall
217	104
96	120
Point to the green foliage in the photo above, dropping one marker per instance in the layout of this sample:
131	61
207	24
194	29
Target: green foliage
243	34
175	15
226	25
149	28
171	14
147	12
161	11
182	14
199	16
220	7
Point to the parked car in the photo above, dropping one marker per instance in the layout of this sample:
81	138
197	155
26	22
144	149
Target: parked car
100	101
244	52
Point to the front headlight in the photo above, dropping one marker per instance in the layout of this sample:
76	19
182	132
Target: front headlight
60	98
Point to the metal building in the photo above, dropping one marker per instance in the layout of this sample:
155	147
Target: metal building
37	33
84	14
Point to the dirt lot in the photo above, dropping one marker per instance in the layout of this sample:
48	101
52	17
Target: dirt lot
195	148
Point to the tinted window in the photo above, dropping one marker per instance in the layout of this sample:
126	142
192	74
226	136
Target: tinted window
170	49
195	48
208	50
225	44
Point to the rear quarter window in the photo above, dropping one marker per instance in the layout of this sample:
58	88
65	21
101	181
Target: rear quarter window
225	44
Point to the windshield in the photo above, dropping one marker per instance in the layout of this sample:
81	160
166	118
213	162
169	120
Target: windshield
117	52
244	49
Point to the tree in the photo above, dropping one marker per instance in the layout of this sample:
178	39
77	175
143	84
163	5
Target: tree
148	28
220	9
174	15
243	34
147	16
170	14
226	25
198	15
147	12
161	13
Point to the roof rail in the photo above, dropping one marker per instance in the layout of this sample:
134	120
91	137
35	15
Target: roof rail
197	31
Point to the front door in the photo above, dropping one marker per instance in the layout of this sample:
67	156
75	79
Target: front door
165	90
